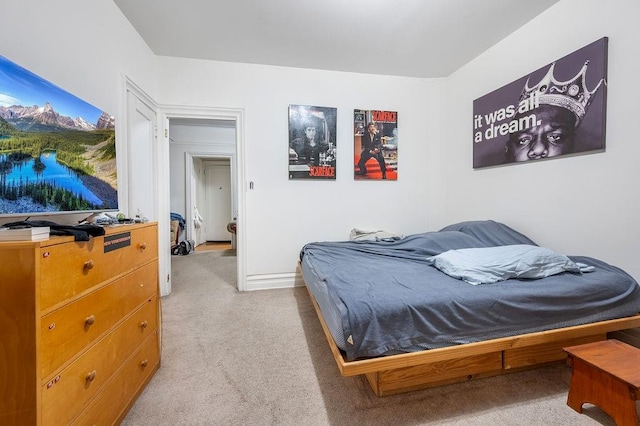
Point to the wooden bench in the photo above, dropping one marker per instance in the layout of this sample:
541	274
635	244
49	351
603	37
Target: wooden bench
606	374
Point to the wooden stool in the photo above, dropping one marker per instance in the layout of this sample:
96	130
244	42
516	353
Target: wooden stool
606	374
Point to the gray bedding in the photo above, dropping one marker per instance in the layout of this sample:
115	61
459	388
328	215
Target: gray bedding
383	297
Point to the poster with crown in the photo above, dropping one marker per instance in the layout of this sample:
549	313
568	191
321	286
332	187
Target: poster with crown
555	111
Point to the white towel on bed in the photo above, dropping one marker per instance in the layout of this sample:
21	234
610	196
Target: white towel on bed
360	235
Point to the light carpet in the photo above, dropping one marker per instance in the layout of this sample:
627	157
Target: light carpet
261	358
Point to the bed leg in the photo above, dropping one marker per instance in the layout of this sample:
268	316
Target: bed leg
372	378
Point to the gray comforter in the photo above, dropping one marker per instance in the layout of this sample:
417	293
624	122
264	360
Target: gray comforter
390	300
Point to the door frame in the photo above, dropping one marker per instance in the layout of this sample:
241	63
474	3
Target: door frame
160	162
190	199
228	114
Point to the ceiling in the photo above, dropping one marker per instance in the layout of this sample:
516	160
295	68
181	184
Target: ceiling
414	38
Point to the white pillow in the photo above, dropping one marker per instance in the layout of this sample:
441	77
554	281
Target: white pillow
488	265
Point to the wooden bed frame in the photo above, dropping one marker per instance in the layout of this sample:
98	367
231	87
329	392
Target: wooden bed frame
393	374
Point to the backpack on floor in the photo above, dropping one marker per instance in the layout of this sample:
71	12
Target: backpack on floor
183	248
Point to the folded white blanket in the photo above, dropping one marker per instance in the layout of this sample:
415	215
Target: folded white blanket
360	235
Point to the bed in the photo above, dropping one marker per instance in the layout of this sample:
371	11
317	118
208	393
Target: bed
395	311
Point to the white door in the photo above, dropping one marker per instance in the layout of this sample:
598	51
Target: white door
141	155
146	155
218	202
197	188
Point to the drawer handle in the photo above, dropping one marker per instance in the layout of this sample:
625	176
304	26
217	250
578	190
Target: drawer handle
91	376
143	246
144	325
88	264
144	363
53	381
90	320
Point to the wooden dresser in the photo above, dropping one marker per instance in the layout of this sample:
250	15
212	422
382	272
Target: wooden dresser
79	326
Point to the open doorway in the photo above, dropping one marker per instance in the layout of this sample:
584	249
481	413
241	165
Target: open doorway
204	143
202	164
212	201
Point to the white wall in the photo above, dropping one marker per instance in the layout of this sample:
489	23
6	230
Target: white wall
84	47
283	215
87	47
579	205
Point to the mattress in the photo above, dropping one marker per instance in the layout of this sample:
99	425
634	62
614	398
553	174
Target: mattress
383	297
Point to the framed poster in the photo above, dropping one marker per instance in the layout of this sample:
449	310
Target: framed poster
557	110
312	142
375	144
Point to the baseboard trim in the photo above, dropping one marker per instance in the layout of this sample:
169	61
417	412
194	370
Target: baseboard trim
273	281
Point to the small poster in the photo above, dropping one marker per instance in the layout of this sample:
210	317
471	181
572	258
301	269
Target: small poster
557	110
375	145
312	142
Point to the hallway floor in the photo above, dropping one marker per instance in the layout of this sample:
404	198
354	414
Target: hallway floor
214	245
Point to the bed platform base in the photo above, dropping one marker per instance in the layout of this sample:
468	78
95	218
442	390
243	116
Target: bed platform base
418	370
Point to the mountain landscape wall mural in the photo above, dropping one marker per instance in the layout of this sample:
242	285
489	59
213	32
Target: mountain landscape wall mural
57	152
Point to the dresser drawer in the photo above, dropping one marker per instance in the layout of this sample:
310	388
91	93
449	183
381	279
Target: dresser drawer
110	405
71	268
66	331
68	392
